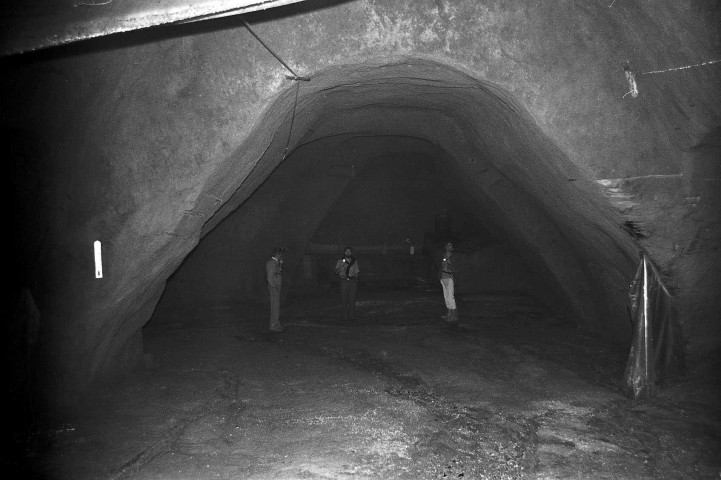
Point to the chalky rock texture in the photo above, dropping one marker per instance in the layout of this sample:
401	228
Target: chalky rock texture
148	141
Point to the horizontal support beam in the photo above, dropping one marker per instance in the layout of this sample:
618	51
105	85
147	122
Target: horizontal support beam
37	25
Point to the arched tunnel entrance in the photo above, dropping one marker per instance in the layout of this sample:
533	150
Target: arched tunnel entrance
385	157
381	150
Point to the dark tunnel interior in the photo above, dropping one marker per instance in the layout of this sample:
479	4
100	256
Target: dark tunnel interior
396	209
384	160
396	155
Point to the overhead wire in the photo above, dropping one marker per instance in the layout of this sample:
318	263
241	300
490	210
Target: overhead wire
710	62
294	77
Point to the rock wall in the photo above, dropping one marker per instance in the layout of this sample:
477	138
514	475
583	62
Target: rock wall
147	141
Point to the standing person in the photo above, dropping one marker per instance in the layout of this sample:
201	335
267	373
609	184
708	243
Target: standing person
273	269
347	270
446	274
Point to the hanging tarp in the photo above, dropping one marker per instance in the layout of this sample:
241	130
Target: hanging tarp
27	25
656	347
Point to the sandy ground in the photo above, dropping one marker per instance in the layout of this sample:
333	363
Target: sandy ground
510	392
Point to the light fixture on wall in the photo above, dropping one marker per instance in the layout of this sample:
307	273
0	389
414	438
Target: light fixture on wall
631	79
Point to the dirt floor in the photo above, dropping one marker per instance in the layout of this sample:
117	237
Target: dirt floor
510	392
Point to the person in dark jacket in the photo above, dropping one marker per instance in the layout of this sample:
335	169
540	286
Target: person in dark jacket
347	270
274	278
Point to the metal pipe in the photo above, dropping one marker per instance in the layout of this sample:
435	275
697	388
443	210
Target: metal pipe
28	28
645	319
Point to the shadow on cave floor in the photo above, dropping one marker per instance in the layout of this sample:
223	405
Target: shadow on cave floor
509	392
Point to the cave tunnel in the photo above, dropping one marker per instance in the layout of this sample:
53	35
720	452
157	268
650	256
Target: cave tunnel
553	144
394	146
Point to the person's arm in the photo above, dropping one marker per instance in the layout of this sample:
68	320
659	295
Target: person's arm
447	266
452	264
338	265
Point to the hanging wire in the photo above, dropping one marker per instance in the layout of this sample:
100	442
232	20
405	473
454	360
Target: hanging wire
631	75
681	68
295	77
292	120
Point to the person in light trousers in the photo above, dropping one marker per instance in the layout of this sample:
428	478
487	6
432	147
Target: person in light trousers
446	276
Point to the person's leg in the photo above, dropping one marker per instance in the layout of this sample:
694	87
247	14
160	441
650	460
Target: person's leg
450	286
449	298
274	308
452	309
344	293
445	298
352	290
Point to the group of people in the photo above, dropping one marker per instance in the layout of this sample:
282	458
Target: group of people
347	271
